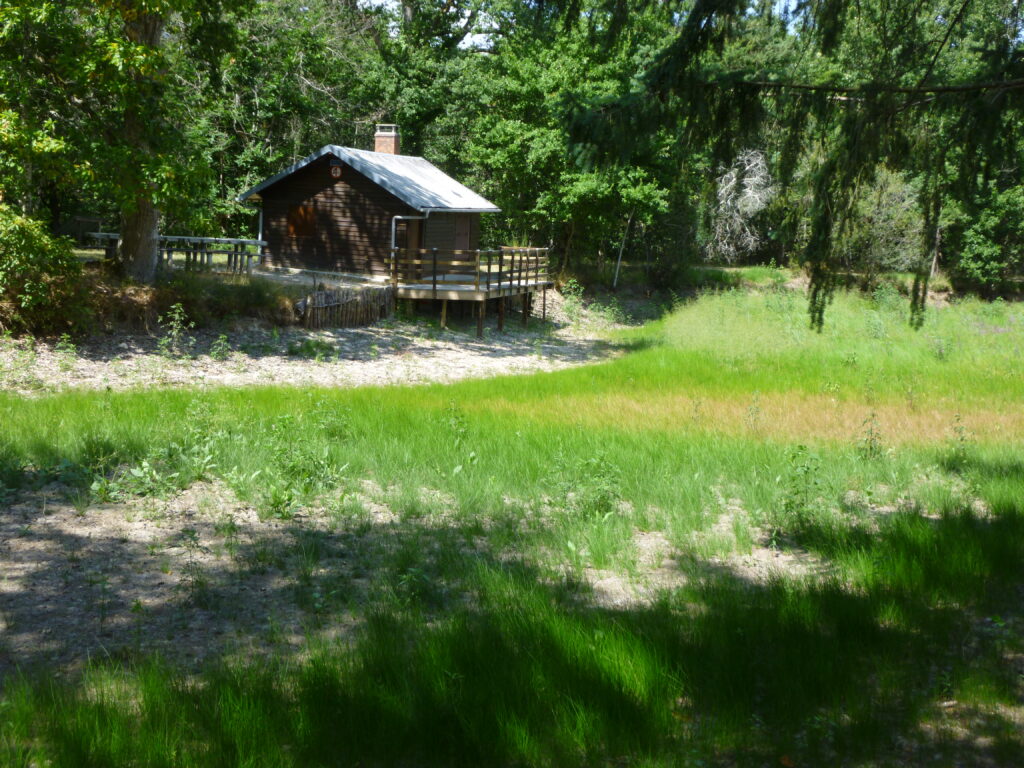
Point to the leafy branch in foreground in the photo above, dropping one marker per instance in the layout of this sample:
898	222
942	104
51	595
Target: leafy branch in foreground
910	85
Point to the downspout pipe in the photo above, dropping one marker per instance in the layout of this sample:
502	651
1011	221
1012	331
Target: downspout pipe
260	236
394	228
394	225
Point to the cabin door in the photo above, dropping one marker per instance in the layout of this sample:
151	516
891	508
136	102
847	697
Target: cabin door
462	229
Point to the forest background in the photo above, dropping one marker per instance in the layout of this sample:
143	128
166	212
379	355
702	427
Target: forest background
872	136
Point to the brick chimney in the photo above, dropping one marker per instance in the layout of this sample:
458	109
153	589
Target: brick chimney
386	139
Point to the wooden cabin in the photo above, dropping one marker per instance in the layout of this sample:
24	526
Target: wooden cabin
396	217
345	210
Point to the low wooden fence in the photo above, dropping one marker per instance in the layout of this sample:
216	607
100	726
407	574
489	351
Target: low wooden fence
504	269
347	307
197	254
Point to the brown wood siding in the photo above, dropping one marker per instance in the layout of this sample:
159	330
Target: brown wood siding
439	231
446	231
351	220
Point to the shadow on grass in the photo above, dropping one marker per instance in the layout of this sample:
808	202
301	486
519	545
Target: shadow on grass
518	670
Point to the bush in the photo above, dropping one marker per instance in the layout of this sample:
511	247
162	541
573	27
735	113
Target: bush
992	243
40	278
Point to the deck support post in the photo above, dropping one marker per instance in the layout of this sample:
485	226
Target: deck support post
501	313
444	313
480	319
544	304
526	310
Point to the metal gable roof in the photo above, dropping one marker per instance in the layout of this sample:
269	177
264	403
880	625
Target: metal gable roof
413	180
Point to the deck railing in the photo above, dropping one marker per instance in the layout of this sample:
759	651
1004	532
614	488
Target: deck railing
198	254
507	270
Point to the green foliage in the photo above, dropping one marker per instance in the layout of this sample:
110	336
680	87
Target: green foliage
572	293
884	232
144	479
992	247
39	278
832	92
220	349
598	127
176	340
207	298
313	349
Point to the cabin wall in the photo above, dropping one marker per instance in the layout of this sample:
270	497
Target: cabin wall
312	220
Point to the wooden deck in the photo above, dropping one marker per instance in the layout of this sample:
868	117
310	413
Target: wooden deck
433	273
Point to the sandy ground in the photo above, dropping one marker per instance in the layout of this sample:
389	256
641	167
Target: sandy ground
200	575
194	576
248	354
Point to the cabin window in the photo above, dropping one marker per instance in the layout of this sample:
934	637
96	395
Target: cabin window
301	221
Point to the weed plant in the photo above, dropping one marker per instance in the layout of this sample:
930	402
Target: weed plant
176	340
313	349
220	349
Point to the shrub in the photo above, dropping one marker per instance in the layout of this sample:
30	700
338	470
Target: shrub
40	286
992	242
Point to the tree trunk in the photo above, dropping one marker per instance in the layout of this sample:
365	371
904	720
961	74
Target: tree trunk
140	219
622	247
140	246
567	256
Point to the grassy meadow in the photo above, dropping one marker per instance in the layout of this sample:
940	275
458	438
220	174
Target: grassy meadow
877	470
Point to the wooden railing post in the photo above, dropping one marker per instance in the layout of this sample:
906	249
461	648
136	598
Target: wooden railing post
434	269
489	255
476	271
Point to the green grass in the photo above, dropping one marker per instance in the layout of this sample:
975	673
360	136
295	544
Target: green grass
498	653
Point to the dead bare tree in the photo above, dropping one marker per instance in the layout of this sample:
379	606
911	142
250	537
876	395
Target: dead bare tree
744	189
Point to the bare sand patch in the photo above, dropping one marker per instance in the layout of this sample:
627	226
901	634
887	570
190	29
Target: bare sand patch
247	353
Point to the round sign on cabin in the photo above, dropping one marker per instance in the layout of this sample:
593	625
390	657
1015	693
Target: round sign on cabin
335	171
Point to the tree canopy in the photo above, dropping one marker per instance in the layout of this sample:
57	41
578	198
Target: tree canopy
888	131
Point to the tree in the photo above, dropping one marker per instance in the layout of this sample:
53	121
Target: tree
925	88
108	71
744	190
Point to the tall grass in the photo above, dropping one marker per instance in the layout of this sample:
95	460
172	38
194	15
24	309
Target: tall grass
920	537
